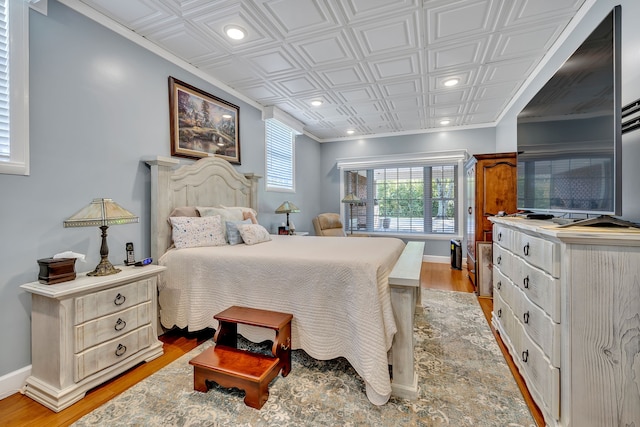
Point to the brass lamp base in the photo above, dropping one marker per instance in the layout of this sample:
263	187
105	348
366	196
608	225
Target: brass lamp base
104	268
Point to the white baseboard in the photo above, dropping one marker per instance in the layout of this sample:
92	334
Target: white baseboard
13	382
442	260
436	259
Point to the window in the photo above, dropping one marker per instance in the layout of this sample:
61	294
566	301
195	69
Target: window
14	87
402	196
280	155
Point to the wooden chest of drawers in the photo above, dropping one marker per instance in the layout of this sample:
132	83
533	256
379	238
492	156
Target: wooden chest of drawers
88	330
566	306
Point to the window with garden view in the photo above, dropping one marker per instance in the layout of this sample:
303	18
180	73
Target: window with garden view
419	200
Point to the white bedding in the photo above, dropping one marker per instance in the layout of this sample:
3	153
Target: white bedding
336	288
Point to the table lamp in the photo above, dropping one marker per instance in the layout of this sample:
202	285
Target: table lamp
351	199
102	213
287	208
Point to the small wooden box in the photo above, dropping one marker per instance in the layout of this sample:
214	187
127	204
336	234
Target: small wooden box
56	270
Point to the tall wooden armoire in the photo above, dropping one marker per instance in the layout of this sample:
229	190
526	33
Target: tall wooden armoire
490	188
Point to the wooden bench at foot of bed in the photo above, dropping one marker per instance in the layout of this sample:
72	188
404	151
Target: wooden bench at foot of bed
404	282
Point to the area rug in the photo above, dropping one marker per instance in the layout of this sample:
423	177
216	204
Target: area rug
463	381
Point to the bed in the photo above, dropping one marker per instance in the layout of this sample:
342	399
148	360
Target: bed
336	288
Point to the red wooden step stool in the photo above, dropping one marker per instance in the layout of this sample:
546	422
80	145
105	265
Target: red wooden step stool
229	366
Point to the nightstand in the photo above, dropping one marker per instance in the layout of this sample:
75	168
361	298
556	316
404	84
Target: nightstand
88	330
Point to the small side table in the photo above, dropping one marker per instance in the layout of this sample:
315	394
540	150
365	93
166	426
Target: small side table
88	330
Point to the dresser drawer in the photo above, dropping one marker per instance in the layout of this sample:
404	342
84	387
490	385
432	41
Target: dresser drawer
503	259
503	236
538	326
543	379
503	285
111	300
505	322
114	325
111	352
540	287
541	253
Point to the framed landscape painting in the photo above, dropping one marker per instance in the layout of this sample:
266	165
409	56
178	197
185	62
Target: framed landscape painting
202	124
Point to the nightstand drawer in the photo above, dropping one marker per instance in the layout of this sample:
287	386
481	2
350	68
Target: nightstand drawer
111	300
105	328
111	352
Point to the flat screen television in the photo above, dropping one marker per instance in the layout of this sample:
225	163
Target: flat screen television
569	135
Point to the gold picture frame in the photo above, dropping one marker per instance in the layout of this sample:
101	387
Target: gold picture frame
202	124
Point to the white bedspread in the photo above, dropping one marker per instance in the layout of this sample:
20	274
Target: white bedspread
335	287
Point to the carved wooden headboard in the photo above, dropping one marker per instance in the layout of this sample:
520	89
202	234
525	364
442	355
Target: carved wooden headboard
210	181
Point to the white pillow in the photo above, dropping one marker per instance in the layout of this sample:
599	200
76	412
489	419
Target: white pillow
226	214
191	232
253	233
242	209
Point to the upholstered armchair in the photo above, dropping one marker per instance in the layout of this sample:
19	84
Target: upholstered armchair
328	224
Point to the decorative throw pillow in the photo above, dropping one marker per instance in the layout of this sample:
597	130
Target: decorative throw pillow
185	211
250	216
190	211
253	233
225	214
233	235
191	232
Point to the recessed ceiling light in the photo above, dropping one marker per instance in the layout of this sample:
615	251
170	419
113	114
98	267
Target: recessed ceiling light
451	82
445	122
316	103
350	131
235	32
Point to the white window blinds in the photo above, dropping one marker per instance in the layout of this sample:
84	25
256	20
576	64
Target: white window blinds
5	151
14	87
280	155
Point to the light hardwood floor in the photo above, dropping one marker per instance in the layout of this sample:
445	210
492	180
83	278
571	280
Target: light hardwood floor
19	410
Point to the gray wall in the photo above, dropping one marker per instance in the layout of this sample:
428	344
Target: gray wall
506	130
98	105
474	141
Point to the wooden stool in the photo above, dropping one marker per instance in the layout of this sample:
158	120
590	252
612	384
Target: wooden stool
229	366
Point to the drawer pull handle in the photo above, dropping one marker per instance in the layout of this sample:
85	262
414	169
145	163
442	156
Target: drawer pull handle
120	325
499	259
500	312
526	249
525	356
499	285
525	282
499	237
525	317
122	349
120	299
469	210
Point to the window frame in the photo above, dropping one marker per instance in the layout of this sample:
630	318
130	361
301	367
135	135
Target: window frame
454	157
18	162
292	133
